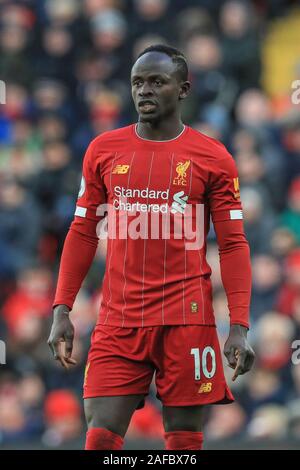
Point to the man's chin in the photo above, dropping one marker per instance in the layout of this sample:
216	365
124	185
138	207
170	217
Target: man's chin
151	117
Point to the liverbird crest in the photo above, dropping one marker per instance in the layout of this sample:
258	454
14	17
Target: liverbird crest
181	169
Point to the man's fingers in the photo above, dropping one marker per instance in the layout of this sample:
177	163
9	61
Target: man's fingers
239	366
243	364
238	371
68	345
61	338
63	362
58	356
231	357
70	360
54	346
64	359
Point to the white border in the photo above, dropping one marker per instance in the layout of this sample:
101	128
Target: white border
150	140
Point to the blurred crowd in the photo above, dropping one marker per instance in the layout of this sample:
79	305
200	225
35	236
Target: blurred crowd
66	66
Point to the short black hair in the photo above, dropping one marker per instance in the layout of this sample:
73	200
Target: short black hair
177	57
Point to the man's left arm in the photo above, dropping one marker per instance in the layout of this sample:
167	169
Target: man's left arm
236	277
226	211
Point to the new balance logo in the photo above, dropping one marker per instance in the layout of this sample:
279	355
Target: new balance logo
205	387
120	169
179	203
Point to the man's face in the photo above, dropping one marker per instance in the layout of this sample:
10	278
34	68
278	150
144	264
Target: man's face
155	86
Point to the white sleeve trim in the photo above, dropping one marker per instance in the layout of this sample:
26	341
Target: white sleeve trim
236	214
80	211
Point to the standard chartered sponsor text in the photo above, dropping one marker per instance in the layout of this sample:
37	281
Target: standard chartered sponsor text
145	193
123	205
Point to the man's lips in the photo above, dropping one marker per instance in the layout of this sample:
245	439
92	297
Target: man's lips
147	105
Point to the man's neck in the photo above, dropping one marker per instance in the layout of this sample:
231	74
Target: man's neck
160	131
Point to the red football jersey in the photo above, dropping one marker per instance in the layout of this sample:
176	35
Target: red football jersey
153	275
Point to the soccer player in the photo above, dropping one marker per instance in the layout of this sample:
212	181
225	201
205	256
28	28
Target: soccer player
156	313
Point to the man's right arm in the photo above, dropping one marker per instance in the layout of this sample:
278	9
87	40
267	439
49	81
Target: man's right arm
77	256
78	253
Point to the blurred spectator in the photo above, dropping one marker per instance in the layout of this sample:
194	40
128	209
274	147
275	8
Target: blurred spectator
266	281
146	422
240	43
91	7
16	23
253	110
52	127
225	422
211	93
109	34
264	388
12	420
17	104
21	415
194	20
62	13
51	95
291	216
282	242
258	222
56	56
31	392
32	297
289	294
295	393
151	17
19	226
108	30
63	417
294	419
274	335
260	159
291	141
269	422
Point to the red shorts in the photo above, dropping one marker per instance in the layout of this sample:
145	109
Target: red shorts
186	361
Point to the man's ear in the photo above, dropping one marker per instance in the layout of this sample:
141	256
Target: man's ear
184	90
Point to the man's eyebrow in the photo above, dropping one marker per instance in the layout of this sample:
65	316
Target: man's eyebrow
152	75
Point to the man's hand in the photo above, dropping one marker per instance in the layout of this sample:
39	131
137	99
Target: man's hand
62	331
238	352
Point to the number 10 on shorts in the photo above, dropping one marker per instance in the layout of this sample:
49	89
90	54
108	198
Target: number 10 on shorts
201	362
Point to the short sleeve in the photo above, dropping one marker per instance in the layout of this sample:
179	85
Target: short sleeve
223	190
